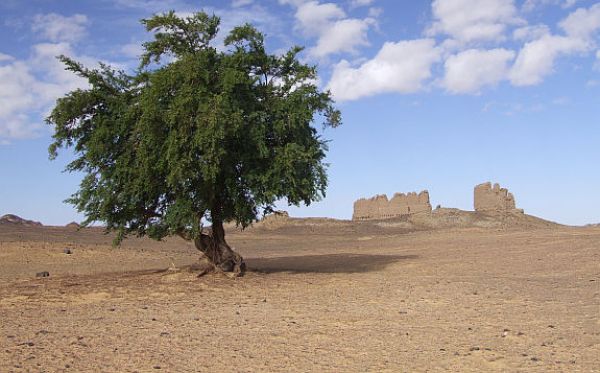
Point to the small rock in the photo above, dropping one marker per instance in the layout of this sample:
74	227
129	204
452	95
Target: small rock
474	349
67	251
42	274
535	359
157	367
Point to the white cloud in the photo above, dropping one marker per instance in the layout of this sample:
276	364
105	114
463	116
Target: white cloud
314	18
343	36
398	67
30	87
528	33
569	3
57	28
5	57
536	58
469	71
359	3
473	21
530	5
328	23
16	98
582	23
132	50
375	12
240	3
597	63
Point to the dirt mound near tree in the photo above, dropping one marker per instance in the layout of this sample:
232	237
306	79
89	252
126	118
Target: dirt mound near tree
17	220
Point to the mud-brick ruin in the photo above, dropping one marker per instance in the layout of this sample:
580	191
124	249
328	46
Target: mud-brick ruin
379	207
493	198
487	198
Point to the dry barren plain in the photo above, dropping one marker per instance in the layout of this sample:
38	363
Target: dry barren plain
464	293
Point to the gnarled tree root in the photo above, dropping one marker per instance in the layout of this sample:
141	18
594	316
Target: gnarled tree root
220	255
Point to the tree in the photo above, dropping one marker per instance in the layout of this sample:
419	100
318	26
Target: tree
197	134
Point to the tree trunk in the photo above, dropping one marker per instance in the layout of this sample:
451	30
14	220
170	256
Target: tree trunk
219	253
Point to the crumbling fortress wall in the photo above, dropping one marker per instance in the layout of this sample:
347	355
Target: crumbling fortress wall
493	198
379	207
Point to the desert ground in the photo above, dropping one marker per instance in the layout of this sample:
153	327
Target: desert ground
450	291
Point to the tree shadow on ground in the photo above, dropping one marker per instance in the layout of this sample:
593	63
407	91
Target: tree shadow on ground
328	263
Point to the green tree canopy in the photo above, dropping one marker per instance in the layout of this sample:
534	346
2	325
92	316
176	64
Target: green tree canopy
196	133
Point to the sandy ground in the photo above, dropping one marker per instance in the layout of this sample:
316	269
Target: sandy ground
342	299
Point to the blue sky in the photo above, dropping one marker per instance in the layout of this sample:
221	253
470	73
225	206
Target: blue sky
438	95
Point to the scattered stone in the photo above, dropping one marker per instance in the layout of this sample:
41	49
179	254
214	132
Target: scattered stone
43	274
67	251
164	334
535	359
474	349
551	326
157	367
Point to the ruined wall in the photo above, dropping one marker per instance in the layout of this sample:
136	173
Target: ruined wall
488	198
379	207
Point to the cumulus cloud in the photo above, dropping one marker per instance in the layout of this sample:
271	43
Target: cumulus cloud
58	28
30	87
240	3
401	67
582	23
328	22
469	71
528	33
5	57
536	59
530	5
359	3
569	3
343	36
473	21
314	18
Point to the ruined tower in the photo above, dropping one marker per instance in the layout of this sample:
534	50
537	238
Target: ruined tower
488	198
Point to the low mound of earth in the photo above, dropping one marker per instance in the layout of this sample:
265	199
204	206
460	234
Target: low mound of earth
449	291
441	218
10	219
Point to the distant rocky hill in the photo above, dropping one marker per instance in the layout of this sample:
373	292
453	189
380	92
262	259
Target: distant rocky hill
16	220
